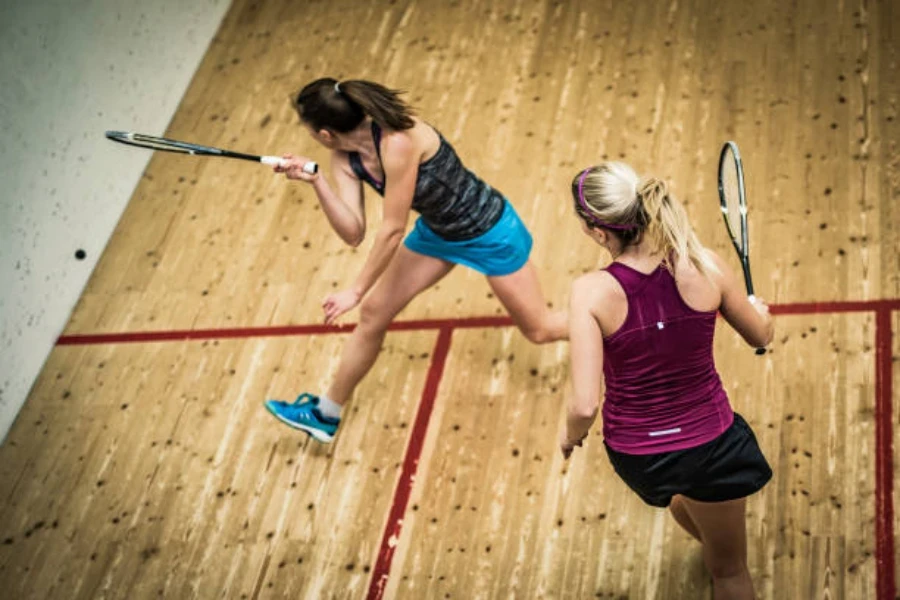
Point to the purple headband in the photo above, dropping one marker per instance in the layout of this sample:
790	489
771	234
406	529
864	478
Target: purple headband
589	213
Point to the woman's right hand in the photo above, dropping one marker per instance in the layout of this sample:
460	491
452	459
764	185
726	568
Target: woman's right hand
749	316
292	167
761	307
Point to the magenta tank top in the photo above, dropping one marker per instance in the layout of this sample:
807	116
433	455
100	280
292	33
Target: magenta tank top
662	389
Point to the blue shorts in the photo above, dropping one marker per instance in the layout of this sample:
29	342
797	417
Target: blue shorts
501	250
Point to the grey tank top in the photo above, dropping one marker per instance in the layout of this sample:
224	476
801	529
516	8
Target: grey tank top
452	200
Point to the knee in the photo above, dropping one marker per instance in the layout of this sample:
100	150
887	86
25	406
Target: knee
548	327
724	568
538	334
373	317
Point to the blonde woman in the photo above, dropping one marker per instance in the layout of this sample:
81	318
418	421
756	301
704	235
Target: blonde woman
648	320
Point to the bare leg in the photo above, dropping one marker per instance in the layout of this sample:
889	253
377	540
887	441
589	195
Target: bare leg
520	293
679	512
408	274
723	530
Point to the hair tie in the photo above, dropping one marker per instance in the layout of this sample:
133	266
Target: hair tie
337	86
589	213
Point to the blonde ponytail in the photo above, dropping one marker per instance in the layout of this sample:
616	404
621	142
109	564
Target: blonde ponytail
668	229
612	196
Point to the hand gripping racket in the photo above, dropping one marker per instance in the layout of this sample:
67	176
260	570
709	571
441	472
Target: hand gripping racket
733	200
167	145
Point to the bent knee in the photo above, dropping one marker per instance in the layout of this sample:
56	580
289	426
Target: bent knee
726	569
373	316
538	335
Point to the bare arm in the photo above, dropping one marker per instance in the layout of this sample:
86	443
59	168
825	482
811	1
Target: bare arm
750	319
586	350
401	166
343	206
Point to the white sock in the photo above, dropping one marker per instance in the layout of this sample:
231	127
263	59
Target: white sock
329	407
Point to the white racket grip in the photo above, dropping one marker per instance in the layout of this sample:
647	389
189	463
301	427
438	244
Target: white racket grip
272	161
310	167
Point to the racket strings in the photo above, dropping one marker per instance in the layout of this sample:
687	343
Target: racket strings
165	144
732	196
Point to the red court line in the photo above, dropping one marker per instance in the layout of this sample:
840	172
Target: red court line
807	308
884	458
79	339
391	536
84	339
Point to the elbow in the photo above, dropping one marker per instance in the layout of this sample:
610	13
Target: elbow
585	410
354	237
764	338
393	236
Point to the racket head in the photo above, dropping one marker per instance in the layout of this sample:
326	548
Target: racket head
732	196
733	202
160	143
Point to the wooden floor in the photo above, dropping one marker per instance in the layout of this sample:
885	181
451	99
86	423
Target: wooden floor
143	465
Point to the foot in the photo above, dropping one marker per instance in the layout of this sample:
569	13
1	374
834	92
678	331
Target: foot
304	415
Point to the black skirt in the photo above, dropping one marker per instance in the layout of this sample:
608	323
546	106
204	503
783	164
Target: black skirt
729	467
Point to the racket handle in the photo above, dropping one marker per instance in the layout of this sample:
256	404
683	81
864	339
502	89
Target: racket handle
759	351
310	167
272	161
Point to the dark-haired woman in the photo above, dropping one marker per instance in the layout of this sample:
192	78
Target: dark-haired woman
642	329
375	139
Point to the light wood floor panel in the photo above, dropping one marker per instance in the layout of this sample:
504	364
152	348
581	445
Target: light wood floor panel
529	93
815	529
158	470
497	514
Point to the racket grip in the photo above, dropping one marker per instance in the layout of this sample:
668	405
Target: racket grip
272	161
752	299
310	167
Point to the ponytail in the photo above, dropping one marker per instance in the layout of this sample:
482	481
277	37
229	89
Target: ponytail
382	104
341	106
613	197
668	228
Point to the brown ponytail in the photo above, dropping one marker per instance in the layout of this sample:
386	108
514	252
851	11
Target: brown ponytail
382	104
342	106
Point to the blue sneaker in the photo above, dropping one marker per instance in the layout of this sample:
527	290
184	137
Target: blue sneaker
302	414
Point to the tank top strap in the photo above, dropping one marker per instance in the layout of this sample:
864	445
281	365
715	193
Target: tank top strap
360	171
376	137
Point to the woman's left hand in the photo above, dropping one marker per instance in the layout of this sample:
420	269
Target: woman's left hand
567	445
337	304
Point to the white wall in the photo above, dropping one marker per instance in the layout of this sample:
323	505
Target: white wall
69	70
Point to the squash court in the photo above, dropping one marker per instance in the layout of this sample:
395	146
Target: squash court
144	465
